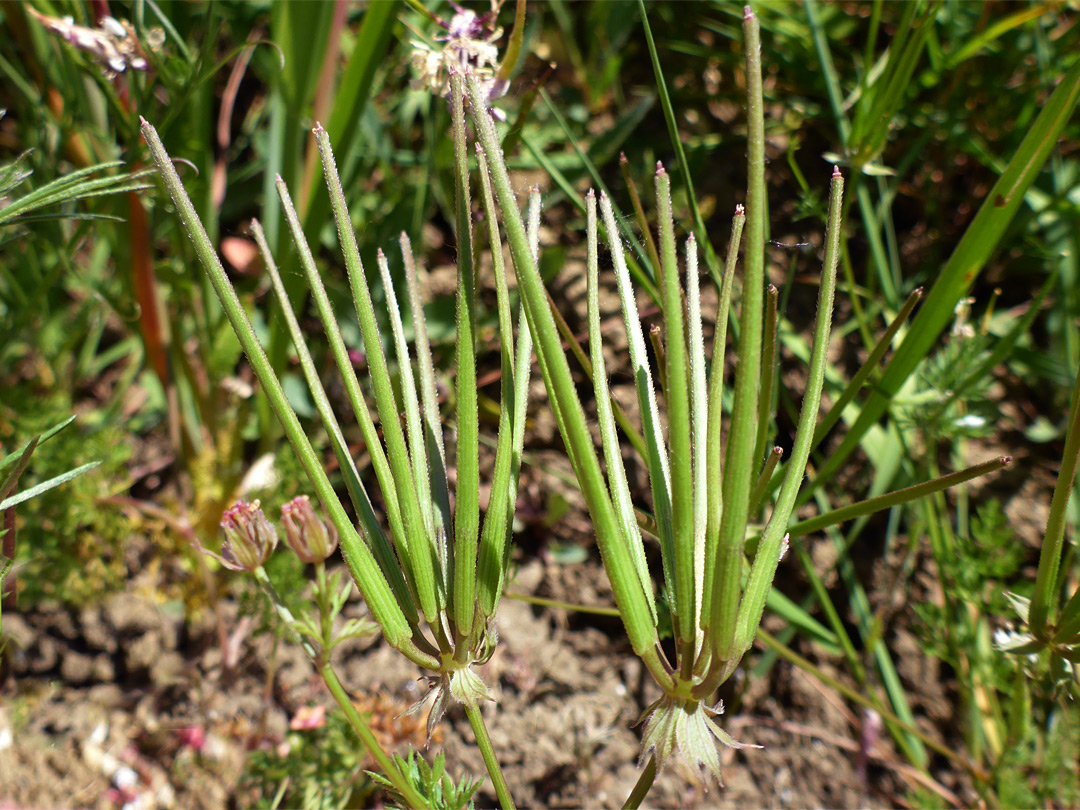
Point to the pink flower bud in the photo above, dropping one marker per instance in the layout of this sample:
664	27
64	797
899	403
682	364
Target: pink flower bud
312	538
250	537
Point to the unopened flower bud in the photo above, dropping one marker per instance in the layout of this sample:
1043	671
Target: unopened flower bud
312	538
250	537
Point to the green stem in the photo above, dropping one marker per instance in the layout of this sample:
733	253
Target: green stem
596	610
321	660
483	742
408	793
326	620
643	786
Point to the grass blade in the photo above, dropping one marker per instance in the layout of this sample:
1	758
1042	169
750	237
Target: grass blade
963	267
853	387
676	143
1039	614
45	486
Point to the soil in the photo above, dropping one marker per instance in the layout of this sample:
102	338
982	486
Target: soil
95	692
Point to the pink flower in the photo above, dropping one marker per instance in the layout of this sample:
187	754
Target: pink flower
308	718
250	537
193	736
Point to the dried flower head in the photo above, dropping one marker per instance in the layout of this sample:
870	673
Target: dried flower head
114	43
467	47
312	538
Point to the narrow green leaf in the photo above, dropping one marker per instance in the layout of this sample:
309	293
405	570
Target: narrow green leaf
1040	615
967	260
853	387
882	502
676	143
45	486
21	461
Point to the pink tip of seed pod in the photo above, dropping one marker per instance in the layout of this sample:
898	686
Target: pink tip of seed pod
740	210
622	157
660	167
380	254
747	13
836	171
590	194
691	240
318	128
